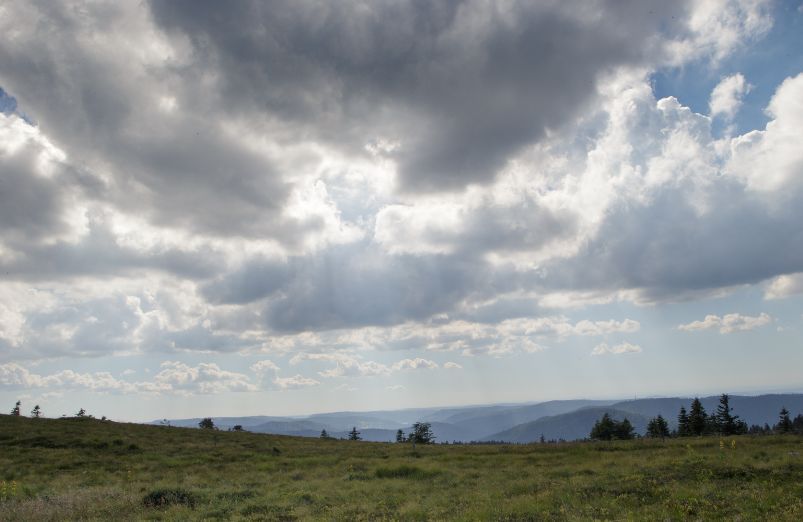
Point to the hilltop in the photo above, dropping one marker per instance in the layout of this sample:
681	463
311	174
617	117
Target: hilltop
80	468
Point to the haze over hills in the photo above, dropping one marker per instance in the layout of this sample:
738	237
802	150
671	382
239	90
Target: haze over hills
521	423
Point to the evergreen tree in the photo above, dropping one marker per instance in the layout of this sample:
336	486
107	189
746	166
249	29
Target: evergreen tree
683	423
542	440
698	420
206	423
604	428
81	413
784	422
16	410
623	430
354	434
324	435
36	412
797	424
728	424
658	427
237	427
400	436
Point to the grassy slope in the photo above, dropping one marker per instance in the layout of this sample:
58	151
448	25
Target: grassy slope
88	469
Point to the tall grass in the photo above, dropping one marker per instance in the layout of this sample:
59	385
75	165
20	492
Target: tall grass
70	469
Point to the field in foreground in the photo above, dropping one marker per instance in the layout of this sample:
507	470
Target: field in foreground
64	469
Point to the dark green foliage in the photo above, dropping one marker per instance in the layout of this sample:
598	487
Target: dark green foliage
324	434
698	419
237	427
81	413
658	428
724	422
36	412
683	423
422	433
404	471
16	410
354	434
784	422
206	424
400	436
797	424
162	498
609	429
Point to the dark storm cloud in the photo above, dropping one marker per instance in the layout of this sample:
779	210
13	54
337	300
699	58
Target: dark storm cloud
666	248
462	85
31	206
98	254
353	287
176	166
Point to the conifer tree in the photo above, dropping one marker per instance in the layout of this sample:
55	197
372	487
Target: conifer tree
604	428
683	423
697	418
324	435
400	436
81	413
36	412
727	424
354	434
658	427
784	422
16	410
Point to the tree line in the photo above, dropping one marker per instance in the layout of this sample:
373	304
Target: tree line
696	422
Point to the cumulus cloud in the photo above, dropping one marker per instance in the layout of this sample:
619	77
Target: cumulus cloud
728	323
174	377
415	364
619	349
449	365
726	98
406	177
295	382
784	286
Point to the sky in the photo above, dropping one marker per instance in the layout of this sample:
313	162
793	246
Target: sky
289	207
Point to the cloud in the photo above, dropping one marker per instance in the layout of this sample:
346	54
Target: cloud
770	161
460	86
415	364
784	286
407	177
728	323
174	377
205	378
619	349
265	366
295	382
726	98
449	365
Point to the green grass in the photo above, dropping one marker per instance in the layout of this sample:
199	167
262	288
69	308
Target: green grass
67	469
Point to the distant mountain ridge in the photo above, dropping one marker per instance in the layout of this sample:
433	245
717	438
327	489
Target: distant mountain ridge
521	423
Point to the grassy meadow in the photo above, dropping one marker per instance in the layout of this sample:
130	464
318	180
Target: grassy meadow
68	469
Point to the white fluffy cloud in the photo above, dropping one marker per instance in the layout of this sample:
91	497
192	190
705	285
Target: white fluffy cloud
726	98
784	286
728	323
295	382
449	365
618	349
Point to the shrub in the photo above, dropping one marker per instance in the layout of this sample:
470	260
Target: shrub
169	497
